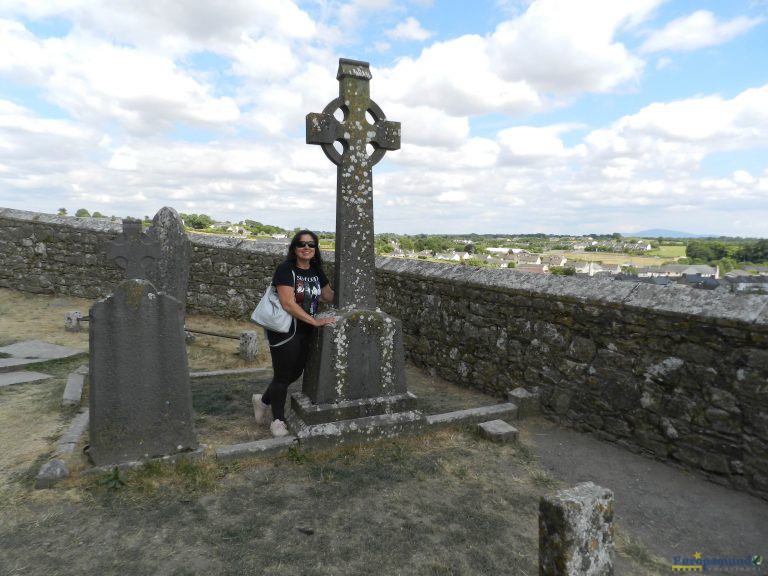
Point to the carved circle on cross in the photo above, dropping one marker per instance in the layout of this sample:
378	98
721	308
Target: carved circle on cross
378	116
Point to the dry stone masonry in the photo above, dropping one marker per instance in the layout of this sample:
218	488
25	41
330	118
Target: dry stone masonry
677	373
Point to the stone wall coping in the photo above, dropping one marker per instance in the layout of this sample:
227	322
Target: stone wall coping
673	299
93	224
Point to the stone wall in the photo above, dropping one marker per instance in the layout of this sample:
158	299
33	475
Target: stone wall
679	373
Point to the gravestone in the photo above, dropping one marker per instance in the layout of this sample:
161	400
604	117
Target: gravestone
356	368
171	274
140	400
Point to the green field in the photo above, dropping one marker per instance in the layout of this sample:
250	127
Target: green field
668	252
614	258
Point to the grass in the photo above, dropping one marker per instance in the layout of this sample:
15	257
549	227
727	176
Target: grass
614	258
668	252
442	503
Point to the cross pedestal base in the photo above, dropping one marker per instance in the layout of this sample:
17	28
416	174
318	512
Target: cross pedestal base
360	356
354	383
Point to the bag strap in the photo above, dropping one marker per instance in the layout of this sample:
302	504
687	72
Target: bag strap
294	322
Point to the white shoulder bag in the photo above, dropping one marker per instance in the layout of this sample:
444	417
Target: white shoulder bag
269	313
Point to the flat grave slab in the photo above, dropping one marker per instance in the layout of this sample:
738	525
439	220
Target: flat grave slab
8	378
33	352
37	349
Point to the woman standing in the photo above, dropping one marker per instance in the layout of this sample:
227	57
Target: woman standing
301	285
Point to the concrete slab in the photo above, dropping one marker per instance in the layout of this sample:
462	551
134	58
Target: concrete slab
11	364
33	352
37	349
8	378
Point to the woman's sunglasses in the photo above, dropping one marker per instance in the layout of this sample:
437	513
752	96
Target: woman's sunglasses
303	244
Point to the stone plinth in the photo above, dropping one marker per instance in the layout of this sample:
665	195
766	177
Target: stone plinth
361	356
576	532
140	399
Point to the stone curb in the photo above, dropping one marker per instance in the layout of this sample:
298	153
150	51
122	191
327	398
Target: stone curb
171	458
234	371
70	438
255	448
507	411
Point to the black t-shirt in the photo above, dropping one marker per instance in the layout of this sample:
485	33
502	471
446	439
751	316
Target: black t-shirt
308	284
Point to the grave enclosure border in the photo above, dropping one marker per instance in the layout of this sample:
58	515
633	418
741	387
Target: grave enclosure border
678	373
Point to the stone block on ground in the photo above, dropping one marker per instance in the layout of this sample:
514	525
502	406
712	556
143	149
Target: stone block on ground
498	431
528	403
51	473
72	321
8	378
576	532
249	345
73	391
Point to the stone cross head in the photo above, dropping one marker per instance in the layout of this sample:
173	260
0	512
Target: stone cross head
133	250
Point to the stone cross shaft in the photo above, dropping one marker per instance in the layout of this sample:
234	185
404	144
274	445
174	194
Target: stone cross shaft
355	257
132	249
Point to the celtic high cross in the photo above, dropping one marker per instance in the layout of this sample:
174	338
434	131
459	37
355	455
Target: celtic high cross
355	257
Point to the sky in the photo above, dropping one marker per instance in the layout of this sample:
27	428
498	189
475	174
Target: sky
518	116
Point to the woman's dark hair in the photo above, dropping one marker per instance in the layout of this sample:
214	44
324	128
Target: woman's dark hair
317	259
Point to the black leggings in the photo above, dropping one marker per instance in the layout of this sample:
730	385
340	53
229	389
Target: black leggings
288	361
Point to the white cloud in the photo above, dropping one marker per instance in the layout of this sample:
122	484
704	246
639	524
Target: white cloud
567	47
173	27
697	30
529	144
410	29
99	82
458	78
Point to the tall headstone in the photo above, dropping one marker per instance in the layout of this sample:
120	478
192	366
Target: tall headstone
140	399
356	368
171	274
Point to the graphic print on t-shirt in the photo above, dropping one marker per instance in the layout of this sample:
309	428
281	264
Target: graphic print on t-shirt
307	291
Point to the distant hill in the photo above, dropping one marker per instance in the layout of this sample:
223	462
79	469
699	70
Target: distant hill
657	232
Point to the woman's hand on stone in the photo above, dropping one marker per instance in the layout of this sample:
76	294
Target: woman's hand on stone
325	320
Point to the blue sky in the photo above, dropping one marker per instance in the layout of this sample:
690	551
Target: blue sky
517	116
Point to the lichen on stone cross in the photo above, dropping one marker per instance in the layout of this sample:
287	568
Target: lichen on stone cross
355	257
133	250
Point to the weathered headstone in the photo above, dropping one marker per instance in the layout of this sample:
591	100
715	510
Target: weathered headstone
140	399
356	368
171	274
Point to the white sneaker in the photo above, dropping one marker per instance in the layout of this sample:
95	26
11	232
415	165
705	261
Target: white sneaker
259	409
278	429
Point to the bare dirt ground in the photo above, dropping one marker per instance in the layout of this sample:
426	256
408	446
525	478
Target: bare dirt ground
444	503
